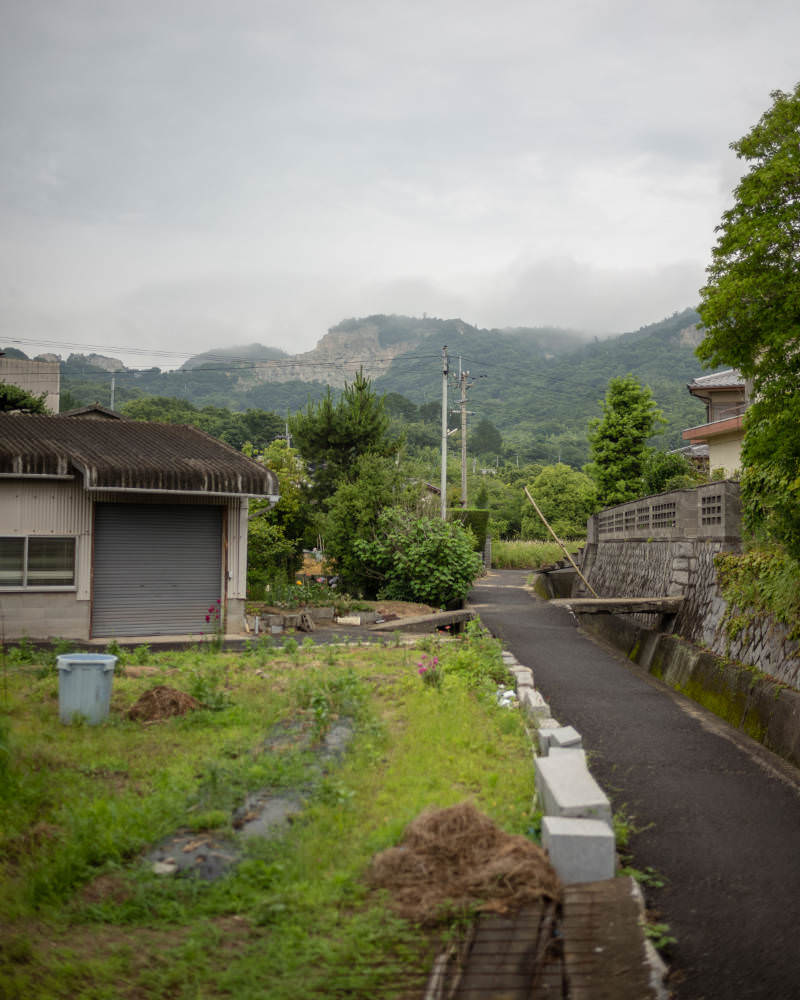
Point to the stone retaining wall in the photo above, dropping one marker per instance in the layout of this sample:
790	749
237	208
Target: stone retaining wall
665	546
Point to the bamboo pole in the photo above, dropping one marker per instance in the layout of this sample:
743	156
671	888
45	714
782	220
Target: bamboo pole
563	546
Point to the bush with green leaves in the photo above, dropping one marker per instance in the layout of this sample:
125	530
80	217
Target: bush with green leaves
419	558
566	497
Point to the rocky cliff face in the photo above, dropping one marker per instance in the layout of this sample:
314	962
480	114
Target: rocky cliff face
335	360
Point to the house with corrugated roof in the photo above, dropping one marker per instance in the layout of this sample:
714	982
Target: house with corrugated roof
726	397
118	528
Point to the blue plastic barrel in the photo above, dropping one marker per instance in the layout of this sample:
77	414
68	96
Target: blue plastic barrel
84	686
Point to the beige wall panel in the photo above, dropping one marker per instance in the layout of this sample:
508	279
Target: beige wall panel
725	452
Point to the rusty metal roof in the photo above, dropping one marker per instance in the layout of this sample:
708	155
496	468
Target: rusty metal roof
128	455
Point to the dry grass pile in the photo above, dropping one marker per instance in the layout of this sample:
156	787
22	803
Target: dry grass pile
455	859
161	702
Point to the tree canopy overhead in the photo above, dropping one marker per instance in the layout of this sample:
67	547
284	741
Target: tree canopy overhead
751	312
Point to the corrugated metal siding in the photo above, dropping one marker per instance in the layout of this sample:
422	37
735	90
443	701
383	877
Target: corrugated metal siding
44	508
157	568
237	548
50	508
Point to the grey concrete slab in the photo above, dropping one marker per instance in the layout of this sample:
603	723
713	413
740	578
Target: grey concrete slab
580	850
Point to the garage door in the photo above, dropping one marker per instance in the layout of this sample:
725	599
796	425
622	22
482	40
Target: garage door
157	569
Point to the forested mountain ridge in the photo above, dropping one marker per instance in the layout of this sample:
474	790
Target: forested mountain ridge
539	386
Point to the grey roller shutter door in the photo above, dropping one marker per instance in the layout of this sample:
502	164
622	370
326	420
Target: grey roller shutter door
157	568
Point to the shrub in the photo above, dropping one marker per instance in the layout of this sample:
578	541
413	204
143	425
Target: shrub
419	559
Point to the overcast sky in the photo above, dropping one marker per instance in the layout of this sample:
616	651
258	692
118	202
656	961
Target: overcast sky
180	176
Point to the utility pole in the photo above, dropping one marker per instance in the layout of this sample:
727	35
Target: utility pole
443	482
462	377
113	387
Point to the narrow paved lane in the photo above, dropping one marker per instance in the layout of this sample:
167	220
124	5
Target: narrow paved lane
719	815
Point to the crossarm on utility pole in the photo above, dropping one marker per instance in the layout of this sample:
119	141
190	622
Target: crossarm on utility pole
563	546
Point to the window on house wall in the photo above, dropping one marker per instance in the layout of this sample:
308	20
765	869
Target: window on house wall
36	561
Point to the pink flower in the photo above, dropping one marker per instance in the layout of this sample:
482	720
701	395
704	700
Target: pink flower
208	618
422	670
435	660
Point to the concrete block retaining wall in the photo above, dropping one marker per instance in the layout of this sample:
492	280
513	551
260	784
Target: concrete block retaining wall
665	546
757	705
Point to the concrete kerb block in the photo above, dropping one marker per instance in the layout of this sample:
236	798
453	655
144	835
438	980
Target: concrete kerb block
533	703
564	787
580	850
566	736
578	752
543	727
523	675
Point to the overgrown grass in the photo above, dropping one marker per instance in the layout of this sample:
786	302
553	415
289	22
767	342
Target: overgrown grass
295	918
529	555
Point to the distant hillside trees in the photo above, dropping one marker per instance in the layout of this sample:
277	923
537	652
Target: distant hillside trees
259	427
485	439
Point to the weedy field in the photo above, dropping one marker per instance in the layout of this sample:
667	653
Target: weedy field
83	913
530	554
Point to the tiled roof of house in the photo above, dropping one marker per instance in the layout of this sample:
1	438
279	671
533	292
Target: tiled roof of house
718	380
128	454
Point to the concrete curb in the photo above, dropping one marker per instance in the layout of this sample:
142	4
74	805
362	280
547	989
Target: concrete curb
577	825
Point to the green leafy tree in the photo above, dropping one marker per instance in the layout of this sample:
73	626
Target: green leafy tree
354	510
423	559
750	308
485	439
332	434
13	399
275	535
619	438
664	471
566	498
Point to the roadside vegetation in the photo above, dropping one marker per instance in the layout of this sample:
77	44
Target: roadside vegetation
530	555
83	913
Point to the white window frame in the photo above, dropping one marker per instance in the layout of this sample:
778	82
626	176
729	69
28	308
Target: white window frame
37	584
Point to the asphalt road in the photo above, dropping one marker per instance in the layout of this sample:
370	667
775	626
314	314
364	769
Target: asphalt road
718	815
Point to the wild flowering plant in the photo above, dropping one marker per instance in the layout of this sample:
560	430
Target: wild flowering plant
430	671
214	619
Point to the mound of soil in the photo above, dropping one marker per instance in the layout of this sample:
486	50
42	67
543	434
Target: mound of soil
161	702
457	858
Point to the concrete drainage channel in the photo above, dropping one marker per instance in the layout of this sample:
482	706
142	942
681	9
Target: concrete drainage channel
577	830
209	856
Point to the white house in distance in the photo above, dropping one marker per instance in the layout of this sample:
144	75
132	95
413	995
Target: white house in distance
117	528
726	398
36	377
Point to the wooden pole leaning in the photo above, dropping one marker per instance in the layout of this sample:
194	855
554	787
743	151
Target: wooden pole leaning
563	546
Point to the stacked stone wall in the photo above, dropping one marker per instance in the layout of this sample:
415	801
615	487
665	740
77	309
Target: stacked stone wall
680	565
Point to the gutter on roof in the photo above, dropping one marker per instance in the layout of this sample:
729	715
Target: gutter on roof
272	497
34	475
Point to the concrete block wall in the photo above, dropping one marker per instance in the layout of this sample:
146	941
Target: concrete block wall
622	560
42	614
